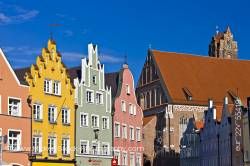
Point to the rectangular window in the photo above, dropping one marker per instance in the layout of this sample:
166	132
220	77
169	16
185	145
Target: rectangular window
123	105
117	130
90	97
124	131
132	159
14	140
138	134
37	111
57	88
138	159
118	156
131	133
84	122
37	144
105	149
105	123
99	98
65	116
15	107
130	108
52	114
124	158
65	146
134	109
94	148
47	86
84	146
128	89
94	80
52	146
95	121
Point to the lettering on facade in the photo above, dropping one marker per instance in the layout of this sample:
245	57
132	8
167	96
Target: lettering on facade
237	129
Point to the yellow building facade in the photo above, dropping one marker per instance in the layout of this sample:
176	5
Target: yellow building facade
53	110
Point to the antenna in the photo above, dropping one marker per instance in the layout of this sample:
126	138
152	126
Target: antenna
51	29
125	59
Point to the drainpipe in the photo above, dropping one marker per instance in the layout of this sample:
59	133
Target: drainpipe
218	138
29	101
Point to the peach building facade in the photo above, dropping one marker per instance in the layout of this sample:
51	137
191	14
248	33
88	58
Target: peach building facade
15	124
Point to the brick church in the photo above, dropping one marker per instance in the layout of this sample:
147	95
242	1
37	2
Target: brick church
174	87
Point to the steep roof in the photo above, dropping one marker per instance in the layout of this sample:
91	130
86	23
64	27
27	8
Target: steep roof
112	80
202	77
20	73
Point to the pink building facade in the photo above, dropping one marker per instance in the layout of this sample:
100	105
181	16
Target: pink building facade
127	119
15	116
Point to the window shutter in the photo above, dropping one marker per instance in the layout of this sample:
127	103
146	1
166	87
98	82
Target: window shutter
68	146
59	88
55	114
134	109
68	117
41	111
50	86
40	144
55	145
19	141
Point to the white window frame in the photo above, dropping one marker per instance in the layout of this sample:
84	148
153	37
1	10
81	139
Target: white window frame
65	146
133	161
140	159
57	88
97	148
36	115
47	86
50	146
124	162
95	126
123	106
107	118
108	148
85	142
131	109
136	134
127	89
55	114
134	109
19	106
19	140
118	157
124	133
65	119
82	120
117	135
37	144
99	100
131	136
90	99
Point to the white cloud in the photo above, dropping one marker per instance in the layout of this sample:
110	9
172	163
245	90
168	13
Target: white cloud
104	58
72	56
21	50
18	14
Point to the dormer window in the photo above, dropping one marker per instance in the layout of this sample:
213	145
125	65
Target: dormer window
127	89
94	80
187	93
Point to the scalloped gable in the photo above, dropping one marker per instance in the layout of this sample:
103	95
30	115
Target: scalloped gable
49	55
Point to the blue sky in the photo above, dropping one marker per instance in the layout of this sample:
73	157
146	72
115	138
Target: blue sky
119	27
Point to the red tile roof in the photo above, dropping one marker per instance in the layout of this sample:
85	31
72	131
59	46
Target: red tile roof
204	77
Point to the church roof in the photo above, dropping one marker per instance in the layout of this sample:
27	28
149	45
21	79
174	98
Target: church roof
202	77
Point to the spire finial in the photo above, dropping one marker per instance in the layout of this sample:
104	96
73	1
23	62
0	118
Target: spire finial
125	59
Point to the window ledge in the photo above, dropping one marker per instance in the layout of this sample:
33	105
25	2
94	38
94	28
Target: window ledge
53	123
38	120
53	155
66	155
66	124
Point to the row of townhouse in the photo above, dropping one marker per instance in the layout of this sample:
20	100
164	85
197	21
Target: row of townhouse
220	138
51	115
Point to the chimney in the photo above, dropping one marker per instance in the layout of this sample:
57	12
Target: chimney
214	113
210	103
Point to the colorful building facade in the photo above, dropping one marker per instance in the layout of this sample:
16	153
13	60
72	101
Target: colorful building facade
93	115
15	123
127	120
53	110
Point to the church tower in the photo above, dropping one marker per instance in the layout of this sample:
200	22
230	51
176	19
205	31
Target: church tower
223	45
